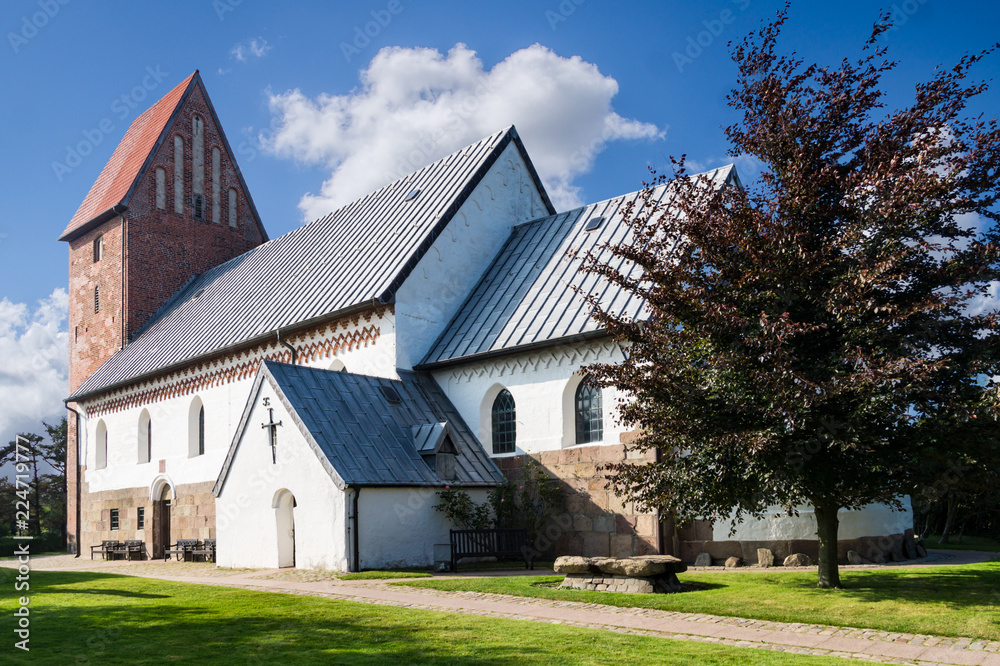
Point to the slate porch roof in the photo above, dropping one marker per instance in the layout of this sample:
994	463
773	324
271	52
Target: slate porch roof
354	258
122	173
359	436
524	299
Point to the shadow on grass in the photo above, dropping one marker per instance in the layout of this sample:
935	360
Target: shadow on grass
187	623
955	587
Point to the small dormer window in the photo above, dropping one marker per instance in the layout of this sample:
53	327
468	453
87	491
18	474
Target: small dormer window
98	248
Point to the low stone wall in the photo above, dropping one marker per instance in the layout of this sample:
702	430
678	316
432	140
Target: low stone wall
595	522
623	584
192	515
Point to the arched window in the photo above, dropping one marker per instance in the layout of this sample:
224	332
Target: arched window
589	420
196	428
178	175
98	248
232	208
145	437
504	417
101	457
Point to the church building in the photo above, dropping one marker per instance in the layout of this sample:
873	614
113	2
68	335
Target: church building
302	399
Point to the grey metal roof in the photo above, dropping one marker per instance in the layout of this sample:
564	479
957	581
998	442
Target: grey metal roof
524	299
357	255
362	438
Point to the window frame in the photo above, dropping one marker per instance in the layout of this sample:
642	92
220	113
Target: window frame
503	423
588	418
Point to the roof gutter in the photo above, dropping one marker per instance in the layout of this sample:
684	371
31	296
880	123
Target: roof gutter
97	221
371	304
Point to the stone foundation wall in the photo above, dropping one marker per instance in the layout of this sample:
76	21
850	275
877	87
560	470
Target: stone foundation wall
696	538
595	522
608	583
192	515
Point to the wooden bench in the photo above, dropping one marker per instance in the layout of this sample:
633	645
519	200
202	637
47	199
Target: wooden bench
108	549
207	551
183	549
503	544
135	547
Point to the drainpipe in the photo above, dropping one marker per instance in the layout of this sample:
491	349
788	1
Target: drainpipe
76	430
287	346
357	551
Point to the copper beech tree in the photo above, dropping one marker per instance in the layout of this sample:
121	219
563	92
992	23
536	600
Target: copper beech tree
805	341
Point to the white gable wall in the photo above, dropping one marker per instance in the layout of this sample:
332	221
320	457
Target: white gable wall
246	520
444	277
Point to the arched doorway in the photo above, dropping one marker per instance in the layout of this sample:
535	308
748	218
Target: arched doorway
284	515
161	493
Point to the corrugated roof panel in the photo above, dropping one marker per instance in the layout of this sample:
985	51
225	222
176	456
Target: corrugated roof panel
526	296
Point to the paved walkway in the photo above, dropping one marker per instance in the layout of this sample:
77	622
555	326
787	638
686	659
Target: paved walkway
860	644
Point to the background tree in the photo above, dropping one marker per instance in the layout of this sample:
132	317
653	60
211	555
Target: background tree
802	333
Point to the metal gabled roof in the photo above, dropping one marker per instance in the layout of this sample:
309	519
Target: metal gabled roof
362	438
357	255
525	300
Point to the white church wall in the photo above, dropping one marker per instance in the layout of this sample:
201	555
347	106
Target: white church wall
443	278
399	526
224	399
543	384
246	518
872	521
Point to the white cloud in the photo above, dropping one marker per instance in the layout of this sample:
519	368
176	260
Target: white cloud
417	105
34	346
253	48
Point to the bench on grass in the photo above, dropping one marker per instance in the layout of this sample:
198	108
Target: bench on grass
108	549
206	550
502	543
183	549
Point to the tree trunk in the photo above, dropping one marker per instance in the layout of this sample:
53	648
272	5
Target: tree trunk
949	521
926	532
827	524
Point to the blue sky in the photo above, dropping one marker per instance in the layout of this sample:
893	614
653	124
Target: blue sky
325	101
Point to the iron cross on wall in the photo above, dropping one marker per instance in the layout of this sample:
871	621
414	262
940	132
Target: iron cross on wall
273	428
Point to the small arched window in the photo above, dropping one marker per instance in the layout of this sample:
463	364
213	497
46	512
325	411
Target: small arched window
145	437
101	457
98	248
97	299
504	422
196	428
589	413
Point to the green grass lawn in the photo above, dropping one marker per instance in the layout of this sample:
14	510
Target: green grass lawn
383	574
93	618
968	543
949	601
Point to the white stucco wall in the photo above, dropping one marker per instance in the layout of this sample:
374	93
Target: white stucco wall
440	282
399	526
872	521
246	520
543	384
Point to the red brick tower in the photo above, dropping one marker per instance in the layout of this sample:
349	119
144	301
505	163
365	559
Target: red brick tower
170	203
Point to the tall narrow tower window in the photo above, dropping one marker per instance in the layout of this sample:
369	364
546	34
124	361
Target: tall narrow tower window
98	248
232	207
216	185
97	299
178	175
198	165
161	189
